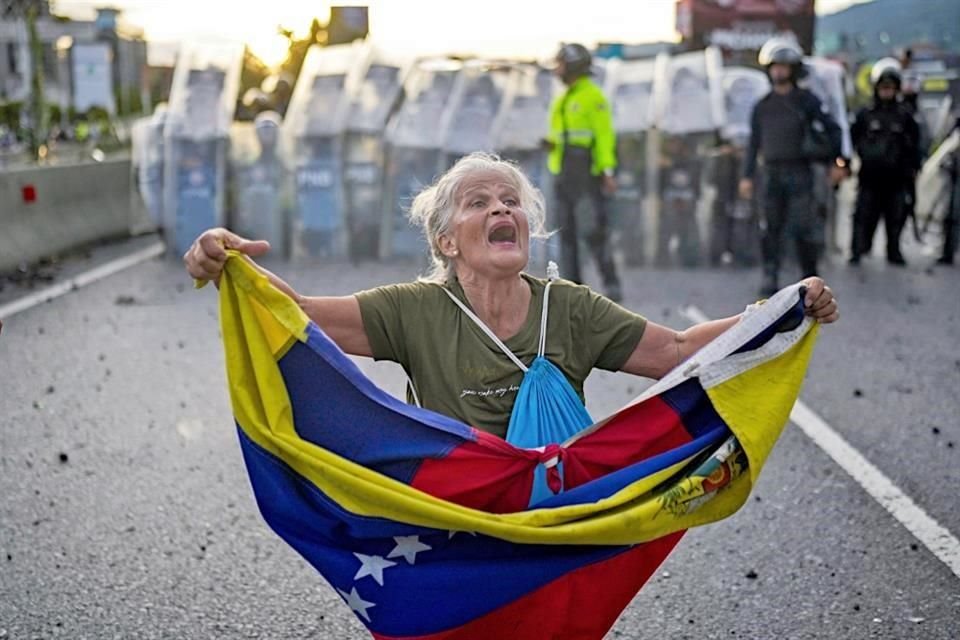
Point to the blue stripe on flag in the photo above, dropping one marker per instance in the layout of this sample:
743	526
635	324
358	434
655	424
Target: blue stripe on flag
790	320
451	582
355	419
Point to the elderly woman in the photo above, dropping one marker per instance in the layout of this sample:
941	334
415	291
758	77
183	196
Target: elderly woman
467	332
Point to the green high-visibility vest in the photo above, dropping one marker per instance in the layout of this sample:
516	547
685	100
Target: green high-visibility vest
581	117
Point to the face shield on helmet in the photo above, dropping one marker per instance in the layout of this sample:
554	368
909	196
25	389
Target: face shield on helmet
782	51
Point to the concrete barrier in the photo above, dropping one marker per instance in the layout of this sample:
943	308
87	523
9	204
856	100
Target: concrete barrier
48	210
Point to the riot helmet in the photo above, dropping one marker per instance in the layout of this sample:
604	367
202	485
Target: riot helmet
782	51
886	70
576	61
267	127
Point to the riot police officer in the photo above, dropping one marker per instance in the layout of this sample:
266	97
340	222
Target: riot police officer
886	138
781	124
582	147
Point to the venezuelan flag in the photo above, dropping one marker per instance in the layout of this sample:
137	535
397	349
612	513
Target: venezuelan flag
421	523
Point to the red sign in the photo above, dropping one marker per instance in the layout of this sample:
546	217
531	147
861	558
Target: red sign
741	25
29	193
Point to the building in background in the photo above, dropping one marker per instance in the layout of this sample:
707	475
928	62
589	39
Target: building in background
83	63
740	27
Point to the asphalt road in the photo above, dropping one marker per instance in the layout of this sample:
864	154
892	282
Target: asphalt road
126	511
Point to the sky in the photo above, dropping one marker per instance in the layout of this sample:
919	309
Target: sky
513	28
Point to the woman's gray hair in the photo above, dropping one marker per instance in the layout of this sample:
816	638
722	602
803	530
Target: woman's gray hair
434	208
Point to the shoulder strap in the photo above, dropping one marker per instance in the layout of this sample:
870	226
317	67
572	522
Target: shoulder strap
486	330
551	269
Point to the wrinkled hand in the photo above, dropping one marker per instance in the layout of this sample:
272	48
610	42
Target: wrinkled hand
819	301
208	253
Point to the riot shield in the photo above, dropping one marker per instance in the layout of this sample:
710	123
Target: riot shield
377	96
825	78
688	114
735	233
260	200
313	138
202	102
473	107
414	147
518	134
630	88
147	152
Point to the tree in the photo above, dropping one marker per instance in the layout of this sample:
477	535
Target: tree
27	12
299	47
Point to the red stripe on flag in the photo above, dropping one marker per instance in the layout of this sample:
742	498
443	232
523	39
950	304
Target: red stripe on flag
581	605
493	476
637	433
488	474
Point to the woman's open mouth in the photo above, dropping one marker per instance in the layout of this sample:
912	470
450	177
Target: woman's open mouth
503	234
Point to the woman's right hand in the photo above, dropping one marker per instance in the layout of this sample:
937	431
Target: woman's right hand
207	255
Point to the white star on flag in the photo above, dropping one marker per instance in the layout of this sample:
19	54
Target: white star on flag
355	602
408	547
372	566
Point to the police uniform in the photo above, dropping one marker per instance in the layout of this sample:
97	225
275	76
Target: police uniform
583	150
886	138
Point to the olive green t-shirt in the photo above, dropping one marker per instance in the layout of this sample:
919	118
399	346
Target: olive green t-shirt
457	370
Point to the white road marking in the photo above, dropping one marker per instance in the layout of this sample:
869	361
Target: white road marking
935	537
80	280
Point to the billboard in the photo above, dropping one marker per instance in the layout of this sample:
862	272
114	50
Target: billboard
92	76
744	25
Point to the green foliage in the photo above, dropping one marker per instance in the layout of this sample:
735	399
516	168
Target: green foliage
10	115
299	47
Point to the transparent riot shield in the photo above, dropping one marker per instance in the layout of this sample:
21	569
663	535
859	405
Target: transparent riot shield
474	105
415	141
735	233
377	96
826	79
146	151
202	102
630	88
313	131
518	135
688	113
260	202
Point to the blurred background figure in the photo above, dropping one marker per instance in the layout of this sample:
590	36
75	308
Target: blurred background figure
688	117
786	127
886	138
629	83
734	230
583	159
261	207
825	79
680	174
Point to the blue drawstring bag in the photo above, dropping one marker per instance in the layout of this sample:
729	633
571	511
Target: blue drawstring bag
547	411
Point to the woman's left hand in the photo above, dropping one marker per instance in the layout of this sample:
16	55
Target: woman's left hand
819	301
